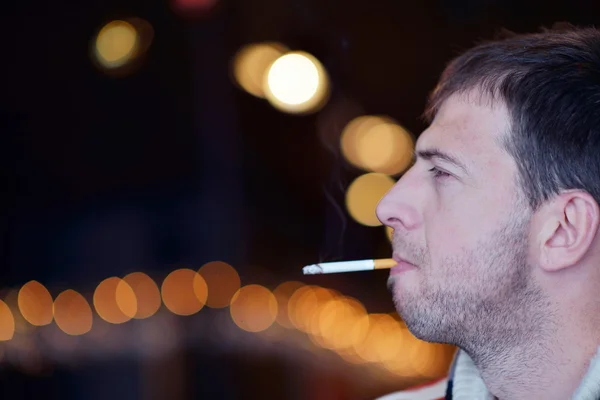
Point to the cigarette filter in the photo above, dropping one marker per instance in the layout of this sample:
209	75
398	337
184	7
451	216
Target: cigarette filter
348	266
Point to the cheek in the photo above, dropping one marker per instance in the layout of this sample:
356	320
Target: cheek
450	247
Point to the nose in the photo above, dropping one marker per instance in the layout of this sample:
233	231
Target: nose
397	209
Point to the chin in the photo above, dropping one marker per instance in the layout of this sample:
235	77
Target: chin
420	321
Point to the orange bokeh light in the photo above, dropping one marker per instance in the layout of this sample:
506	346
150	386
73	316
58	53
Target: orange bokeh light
253	308
222	280
72	313
283	293
146	292
115	301
7	322
184	292
35	303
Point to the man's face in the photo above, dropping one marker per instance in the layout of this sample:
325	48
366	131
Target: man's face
464	226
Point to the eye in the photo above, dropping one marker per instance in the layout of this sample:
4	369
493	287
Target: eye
438	173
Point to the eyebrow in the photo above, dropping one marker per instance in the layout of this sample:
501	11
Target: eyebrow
436	154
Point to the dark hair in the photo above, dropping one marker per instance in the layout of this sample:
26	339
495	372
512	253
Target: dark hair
550	83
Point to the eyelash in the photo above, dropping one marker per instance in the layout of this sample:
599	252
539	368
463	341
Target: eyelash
438	174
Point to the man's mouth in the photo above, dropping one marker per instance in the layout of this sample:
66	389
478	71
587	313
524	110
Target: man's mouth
402	265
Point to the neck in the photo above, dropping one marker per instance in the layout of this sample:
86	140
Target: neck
550	367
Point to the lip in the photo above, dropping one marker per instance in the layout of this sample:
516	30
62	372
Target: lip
401	266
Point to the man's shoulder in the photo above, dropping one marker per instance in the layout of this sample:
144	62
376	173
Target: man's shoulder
435	390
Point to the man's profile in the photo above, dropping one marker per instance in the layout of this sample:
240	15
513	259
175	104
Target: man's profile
496	225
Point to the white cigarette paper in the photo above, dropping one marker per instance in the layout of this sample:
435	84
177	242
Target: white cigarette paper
348	266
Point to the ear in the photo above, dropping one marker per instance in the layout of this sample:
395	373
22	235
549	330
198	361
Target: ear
568	228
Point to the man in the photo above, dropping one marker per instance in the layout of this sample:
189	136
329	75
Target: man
496	223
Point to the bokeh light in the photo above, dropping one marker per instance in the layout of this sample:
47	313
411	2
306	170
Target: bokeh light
72	313
283	293
7	322
35	303
251	63
115	301
343	323
222	280
184	292
146	293
296	83
116	44
377	144
304	304
253	308
363	195
121	42
383	341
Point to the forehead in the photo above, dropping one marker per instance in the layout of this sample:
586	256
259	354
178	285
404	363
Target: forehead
470	127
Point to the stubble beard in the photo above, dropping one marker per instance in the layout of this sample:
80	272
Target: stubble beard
495	306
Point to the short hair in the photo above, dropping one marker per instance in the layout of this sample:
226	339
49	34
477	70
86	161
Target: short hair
550	84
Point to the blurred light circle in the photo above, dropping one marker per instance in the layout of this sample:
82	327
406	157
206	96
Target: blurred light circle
385	148
253	308
343	323
296	83
251	63
377	144
304	304
72	313
184	292
116	44
433	360
7	322
384	339
283	293
222	281
351	134
35	303
363	195
146	293
114	301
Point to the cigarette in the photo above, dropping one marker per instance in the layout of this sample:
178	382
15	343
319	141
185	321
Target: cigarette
348	266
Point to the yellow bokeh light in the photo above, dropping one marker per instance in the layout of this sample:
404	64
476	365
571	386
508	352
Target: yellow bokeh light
383	341
184	292
253	308
343	323
35	303
283	293
222	280
433	359
377	144
363	195
351	134
116	44
72	313
7	322
251	63
115	301
296	83
304	304
146	293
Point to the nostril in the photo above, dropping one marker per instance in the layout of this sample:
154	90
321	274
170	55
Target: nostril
393	222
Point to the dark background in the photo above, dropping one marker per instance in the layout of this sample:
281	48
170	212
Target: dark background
174	165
